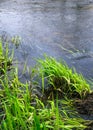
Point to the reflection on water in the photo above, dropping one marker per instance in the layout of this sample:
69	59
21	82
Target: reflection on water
54	27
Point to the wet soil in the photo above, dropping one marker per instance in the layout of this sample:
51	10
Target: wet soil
89	126
85	106
85	109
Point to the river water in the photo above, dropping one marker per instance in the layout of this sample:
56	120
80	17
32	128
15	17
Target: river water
60	28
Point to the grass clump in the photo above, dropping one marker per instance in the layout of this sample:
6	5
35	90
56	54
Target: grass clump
62	79
5	59
18	111
21	109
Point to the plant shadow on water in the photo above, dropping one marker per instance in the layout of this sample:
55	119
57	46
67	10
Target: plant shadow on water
22	107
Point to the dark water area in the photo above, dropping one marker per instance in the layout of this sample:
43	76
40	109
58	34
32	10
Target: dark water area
60	28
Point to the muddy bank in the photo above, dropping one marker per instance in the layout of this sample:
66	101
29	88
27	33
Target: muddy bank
89	126
85	106
85	109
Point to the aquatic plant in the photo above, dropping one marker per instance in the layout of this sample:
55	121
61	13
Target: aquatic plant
18	111
62	79
5	58
16	40
21	109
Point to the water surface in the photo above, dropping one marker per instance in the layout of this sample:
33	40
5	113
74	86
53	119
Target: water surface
54	27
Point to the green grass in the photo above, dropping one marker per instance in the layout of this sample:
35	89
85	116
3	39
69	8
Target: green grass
18	113
5	58
62	79
22	109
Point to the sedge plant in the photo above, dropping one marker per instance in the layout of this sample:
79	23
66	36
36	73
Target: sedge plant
62	79
20	109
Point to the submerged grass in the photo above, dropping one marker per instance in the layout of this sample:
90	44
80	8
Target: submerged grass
21	109
5	58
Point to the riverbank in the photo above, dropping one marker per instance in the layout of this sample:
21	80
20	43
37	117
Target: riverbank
46	101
